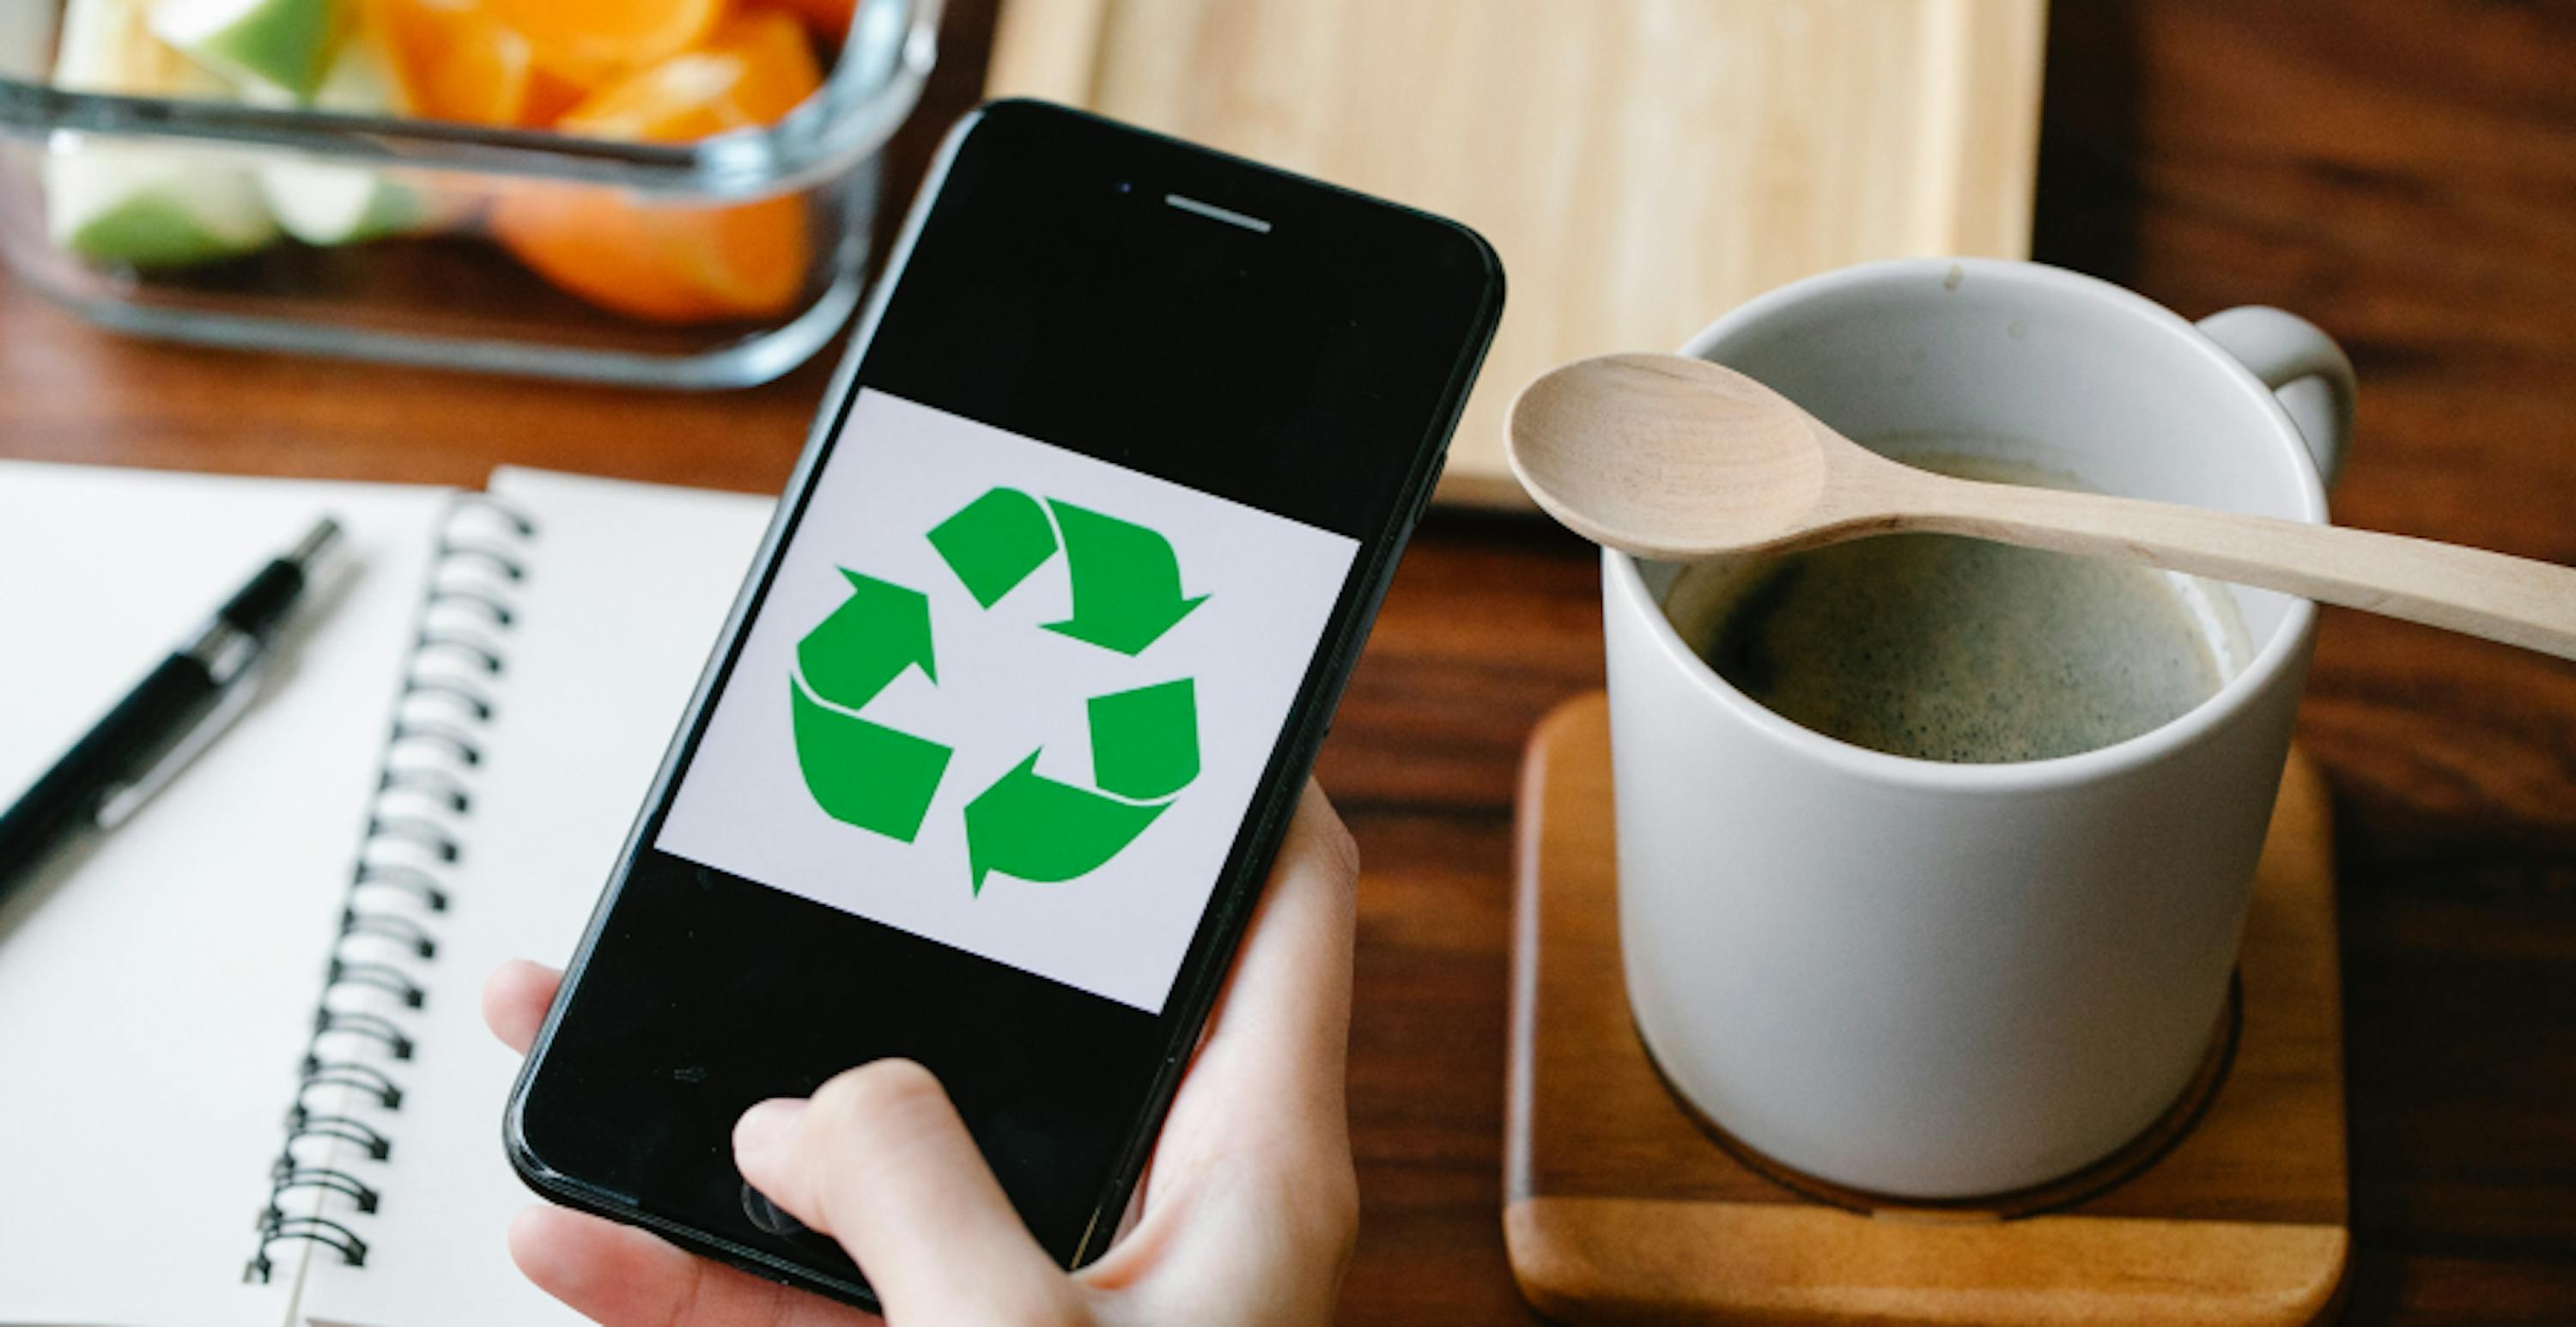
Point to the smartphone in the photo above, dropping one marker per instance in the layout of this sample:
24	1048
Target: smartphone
989	764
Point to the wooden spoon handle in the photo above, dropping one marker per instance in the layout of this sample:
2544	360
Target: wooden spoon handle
2510	599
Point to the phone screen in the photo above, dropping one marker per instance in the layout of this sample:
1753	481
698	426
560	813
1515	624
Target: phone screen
988	773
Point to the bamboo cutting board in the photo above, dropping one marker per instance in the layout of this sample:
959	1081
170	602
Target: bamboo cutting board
1641	165
1620	1207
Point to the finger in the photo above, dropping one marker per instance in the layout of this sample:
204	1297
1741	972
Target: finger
880	1160
1285	1013
515	999
617	1274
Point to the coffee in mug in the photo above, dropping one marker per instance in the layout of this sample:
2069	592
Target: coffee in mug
1941	647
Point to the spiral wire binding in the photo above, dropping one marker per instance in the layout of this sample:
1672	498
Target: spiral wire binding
335	1129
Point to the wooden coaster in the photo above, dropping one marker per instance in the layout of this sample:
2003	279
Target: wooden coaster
1619	1208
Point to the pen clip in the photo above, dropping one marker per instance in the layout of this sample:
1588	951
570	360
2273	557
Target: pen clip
125	799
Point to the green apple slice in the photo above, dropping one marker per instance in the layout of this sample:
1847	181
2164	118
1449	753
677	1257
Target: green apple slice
328	204
142	206
108	46
151	207
332	205
281	44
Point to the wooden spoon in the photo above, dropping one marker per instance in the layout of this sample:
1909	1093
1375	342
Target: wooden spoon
1679	459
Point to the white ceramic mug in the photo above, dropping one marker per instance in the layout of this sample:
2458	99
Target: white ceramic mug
1933	980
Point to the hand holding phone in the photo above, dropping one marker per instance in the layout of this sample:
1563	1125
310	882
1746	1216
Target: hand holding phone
1249	1207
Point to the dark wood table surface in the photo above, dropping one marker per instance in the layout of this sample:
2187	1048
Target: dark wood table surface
2402	173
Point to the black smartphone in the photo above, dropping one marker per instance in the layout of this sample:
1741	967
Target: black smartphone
990	762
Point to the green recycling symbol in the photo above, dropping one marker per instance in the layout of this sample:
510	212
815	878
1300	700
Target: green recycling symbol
1144	742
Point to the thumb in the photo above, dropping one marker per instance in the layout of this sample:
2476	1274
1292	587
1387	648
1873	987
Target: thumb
879	1160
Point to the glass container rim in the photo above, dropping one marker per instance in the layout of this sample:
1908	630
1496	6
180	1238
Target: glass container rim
869	92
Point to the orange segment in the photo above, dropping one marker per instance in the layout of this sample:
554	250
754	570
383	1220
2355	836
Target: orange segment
660	263
753	258
551	96
754	71
678	263
455	62
829	19
588	40
600	247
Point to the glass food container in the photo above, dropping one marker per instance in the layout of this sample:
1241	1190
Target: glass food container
798	198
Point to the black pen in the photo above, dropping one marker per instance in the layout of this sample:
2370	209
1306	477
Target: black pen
164	721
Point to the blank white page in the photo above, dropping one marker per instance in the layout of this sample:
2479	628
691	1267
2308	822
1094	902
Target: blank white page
626	588
156	989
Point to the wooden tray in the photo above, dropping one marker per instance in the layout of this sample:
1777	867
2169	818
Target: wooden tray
1620	1208
1642	165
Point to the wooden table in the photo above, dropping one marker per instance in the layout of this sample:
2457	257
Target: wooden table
2405	174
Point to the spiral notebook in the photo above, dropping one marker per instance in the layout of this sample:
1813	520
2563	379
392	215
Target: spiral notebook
243	1076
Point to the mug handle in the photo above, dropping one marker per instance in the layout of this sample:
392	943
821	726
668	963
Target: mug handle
2302	365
